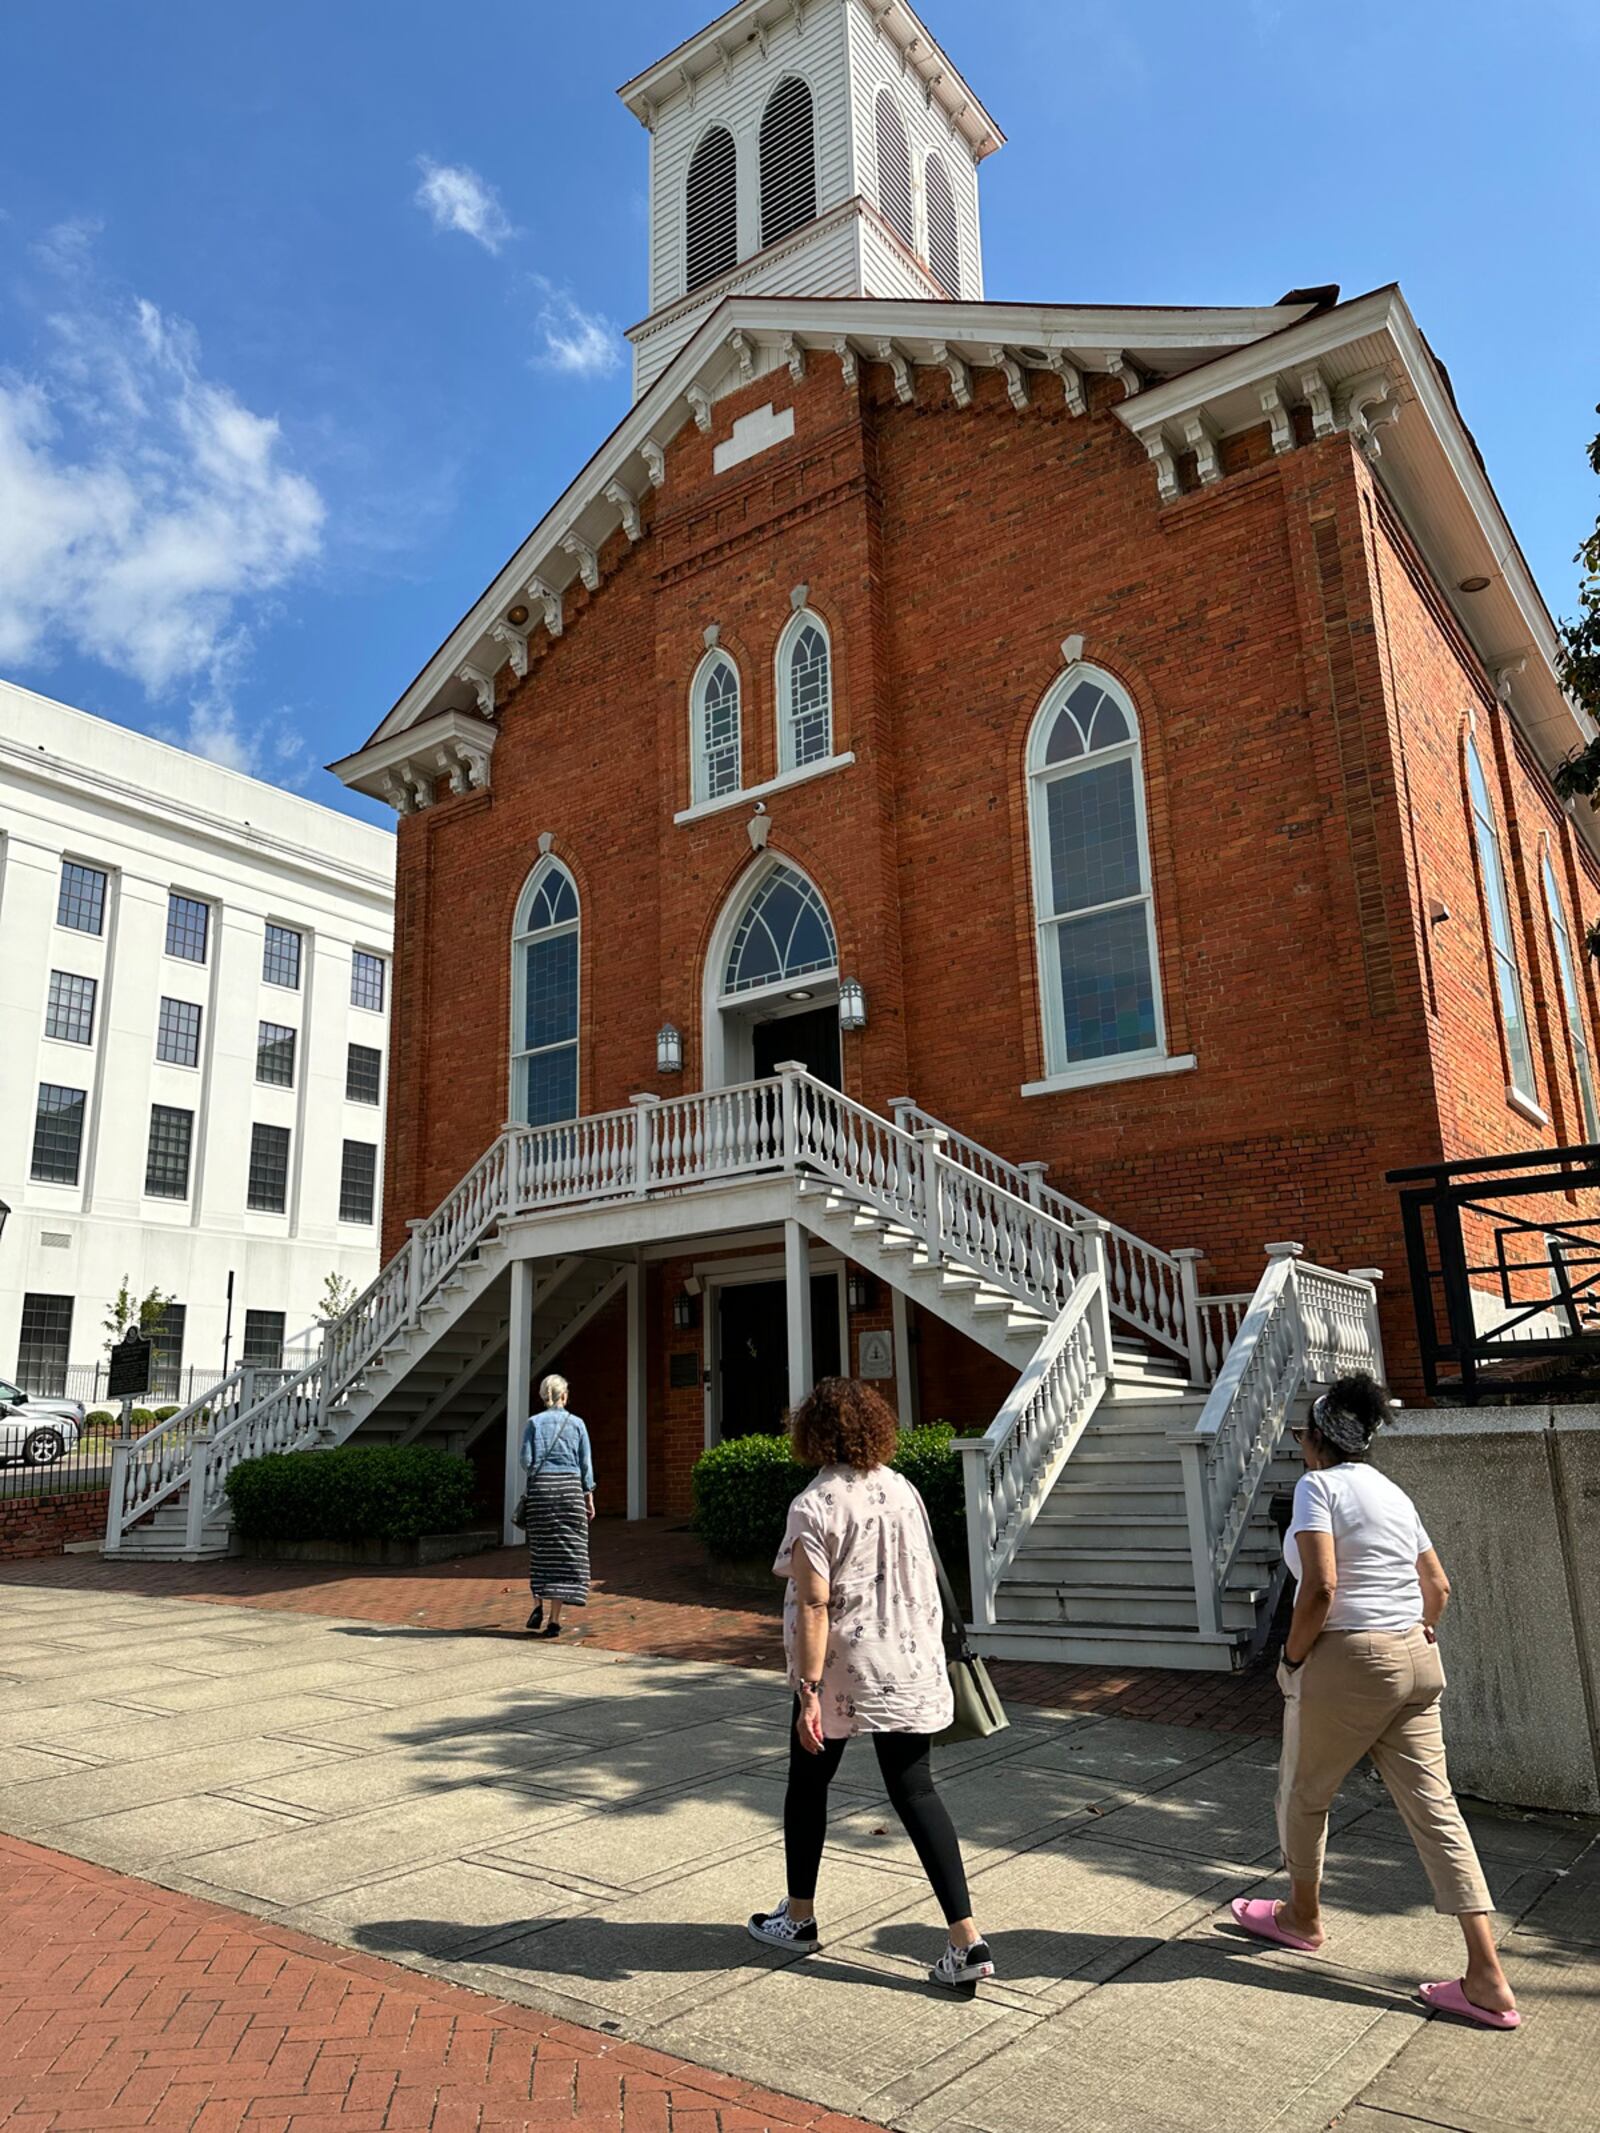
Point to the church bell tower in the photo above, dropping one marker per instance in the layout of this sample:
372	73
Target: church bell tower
806	148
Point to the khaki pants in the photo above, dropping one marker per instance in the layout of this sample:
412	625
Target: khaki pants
1373	1692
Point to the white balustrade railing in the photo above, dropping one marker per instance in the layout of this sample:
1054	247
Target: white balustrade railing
147	1470
1304	1326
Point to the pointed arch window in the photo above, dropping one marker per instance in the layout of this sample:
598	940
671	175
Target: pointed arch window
715	735
544	998
1502	941
944	236
805	692
1567	966
894	170
1091	868
711	209
788	160
785	934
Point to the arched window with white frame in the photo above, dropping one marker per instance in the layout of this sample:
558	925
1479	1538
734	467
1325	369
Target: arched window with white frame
544	998
1572	1000
944	235
894	170
788	158
1093	904
805	692
1502	941
711	209
714	737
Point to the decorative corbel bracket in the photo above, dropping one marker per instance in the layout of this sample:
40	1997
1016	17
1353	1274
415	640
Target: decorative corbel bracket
849	366
905	386
1314	386
1016	379
584	556
1159	453
655	461
960	373
744	351
1071	381
1505	675
794	355
700	405
1370	405
514	643
400	790
482	686
1123	367
1199	434
1276	409
628	504
549	600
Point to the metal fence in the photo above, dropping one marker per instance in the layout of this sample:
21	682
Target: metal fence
45	1454
169	1387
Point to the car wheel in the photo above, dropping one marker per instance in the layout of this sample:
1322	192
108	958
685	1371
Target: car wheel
44	1447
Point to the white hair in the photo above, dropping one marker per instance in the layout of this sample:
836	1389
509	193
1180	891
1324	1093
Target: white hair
553	1390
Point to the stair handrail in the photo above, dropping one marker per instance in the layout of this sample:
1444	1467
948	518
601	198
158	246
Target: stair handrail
288	1419
1151	1290
147	1469
1306	1325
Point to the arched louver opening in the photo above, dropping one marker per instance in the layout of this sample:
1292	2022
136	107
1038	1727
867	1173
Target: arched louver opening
944	240
711	226
788	161
894	171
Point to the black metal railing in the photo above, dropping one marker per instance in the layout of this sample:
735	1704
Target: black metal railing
1506	1294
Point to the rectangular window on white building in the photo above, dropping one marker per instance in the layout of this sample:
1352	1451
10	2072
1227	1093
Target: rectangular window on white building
366	981
280	958
268	1189
81	902
188	922
70	1015
178	1033
363	1075
166	1354
275	1054
358	1178
263	1340
166	1163
43	1343
58	1134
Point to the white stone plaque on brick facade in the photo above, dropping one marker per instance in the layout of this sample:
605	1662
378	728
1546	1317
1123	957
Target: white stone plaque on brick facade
877	1355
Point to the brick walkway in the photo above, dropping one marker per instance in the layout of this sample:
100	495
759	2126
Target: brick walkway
650	1596
123	2005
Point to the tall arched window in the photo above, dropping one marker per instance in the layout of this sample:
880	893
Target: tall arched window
785	934
544	998
1091	869
944	237
788	160
894	171
1572	1000
1502	941
805	692
715	736
711	210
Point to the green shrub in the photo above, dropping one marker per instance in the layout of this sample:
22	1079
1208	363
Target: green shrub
386	1492
165	1414
743	1489
142	1420
101	1418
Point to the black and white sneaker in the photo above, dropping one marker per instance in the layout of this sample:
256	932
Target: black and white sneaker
960	1968
779	1930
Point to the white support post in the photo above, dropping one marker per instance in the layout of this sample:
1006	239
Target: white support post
789	1072
1091	1232
120	1448
638	1383
644	1108
797	1287
519	1389
1373	1274
1189	1257
901	1107
414	1266
1035	1174
1208	1616
195	1508
975	1488
931	1141
905	1383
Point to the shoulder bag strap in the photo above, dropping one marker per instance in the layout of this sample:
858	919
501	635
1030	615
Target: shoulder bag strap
549	1452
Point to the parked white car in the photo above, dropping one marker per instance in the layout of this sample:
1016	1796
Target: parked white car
37	1431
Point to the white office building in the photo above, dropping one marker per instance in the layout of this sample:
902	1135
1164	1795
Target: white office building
194	990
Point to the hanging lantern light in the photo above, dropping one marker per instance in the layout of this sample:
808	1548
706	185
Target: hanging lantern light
669	1049
852	1004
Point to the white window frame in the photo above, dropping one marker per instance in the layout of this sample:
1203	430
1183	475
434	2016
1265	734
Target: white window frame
521	934
725	1017
1487	847
700	766
803	619
1060	1071
1567	972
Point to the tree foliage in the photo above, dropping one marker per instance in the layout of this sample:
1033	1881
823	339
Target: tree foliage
126	1310
1578	666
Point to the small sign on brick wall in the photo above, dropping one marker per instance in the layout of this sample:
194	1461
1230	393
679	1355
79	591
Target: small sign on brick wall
877	1354
683	1369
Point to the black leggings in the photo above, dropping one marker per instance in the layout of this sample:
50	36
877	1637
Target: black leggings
906	1767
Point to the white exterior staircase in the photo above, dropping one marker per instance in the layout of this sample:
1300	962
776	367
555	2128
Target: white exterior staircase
1117	1507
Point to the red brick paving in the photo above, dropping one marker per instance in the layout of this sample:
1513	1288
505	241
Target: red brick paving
123	2005
650	1595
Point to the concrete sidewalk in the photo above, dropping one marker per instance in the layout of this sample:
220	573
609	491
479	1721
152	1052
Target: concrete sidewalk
584	1833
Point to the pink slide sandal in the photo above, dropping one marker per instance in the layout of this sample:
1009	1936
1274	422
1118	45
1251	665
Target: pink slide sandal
1259	1915
1452	1999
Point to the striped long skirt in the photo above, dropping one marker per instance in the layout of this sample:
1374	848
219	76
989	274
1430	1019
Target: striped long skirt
558	1539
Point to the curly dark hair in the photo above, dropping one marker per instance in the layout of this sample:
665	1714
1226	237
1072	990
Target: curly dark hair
842	1422
1348	1416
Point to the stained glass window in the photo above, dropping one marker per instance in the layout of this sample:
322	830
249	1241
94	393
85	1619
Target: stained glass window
805	685
1502	942
1568	968
785	934
716	729
544	953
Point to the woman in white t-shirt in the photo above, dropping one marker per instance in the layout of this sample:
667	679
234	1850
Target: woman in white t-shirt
1361	1676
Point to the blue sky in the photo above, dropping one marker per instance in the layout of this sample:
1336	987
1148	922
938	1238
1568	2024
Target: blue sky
308	310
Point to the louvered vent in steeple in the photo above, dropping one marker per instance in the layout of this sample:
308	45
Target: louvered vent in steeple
894	171
788	161
944	239
711	210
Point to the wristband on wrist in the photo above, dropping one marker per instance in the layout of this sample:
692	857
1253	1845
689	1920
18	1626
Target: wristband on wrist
813	1688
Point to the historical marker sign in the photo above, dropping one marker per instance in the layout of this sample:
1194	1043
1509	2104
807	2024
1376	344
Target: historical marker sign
130	1367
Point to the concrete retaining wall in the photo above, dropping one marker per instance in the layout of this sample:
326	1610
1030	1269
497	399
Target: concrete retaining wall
1511	1499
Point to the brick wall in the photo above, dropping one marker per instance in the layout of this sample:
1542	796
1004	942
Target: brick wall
43	1525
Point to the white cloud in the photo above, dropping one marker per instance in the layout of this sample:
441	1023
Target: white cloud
456	198
147	509
583	344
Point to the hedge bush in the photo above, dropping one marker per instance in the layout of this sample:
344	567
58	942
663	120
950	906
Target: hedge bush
100	1418
165	1414
385	1492
744	1486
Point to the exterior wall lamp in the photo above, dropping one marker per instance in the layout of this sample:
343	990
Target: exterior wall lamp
669	1049
861	1291
685	1311
852	1004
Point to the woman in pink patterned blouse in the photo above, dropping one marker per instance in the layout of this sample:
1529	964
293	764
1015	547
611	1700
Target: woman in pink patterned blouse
863	1629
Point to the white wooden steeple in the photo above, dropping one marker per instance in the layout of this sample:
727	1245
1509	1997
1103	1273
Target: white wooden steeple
806	148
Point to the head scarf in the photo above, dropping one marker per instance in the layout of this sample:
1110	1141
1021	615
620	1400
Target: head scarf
1338	1427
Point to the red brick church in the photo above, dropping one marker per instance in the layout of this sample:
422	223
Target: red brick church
1108	750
